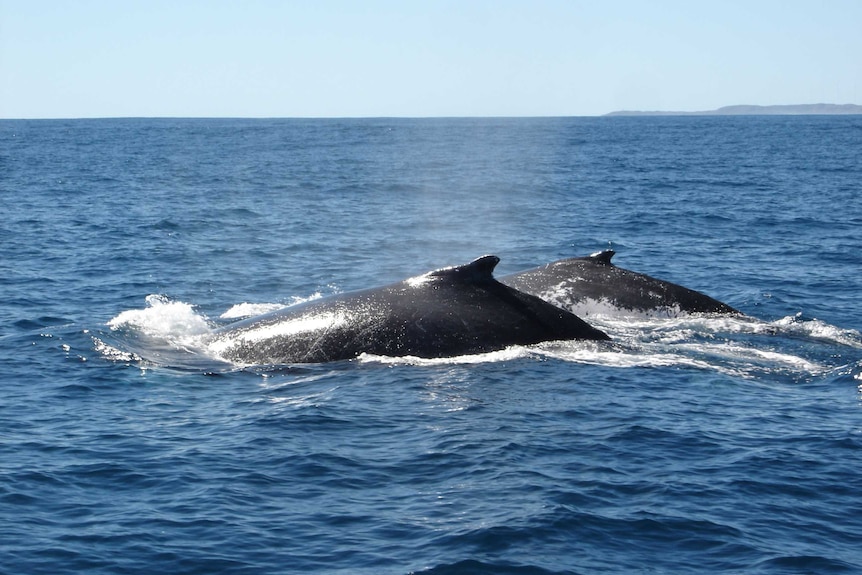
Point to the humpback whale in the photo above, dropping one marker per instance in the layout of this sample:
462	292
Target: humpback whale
443	313
581	285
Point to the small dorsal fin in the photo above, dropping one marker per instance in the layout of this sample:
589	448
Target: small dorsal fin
603	257
480	269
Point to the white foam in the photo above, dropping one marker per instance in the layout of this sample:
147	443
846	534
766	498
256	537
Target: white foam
507	354
713	342
162	318
112	353
729	351
621	358
817	329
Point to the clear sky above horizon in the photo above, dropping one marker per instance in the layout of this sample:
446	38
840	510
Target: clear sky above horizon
340	58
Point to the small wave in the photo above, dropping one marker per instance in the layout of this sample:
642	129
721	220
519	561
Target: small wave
473	566
816	329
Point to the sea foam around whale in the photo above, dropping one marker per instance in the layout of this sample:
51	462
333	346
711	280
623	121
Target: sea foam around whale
741	346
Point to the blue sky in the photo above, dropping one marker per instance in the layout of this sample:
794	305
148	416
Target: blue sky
338	58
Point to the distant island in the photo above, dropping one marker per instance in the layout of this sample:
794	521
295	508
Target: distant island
791	110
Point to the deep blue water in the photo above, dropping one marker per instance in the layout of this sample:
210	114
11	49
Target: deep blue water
688	445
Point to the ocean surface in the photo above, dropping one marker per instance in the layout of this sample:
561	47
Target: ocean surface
685	445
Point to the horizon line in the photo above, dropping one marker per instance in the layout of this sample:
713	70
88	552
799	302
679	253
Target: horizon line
621	112
430	117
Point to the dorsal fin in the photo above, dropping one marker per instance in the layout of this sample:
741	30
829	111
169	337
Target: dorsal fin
603	257
480	269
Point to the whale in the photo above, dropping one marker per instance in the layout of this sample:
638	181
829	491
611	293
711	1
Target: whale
447	312
593	284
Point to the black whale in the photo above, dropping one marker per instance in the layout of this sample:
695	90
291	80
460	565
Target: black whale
581	285
443	313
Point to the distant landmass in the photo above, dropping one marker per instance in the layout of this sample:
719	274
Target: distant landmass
791	110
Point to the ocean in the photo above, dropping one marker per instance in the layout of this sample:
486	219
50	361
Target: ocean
690	444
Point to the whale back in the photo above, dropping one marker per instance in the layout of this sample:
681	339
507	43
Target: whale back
444	313
586	284
480	270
